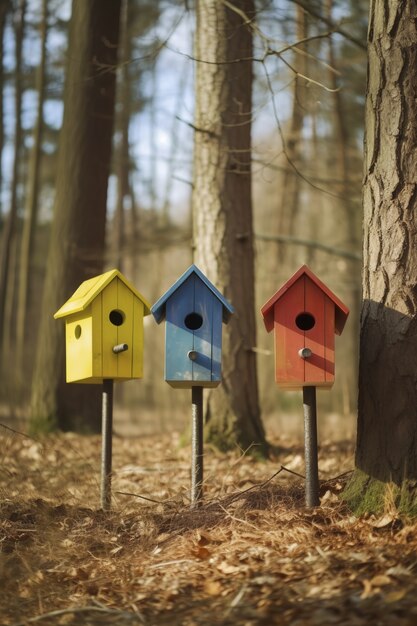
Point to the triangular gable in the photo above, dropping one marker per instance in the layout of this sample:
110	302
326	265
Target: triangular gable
341	310
89	289
158	309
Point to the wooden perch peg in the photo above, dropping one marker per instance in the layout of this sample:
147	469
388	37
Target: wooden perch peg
121	347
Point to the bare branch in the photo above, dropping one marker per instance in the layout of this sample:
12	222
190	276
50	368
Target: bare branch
269	50
270	165
294	48
268	40
284	148
334	26
355	256
309	80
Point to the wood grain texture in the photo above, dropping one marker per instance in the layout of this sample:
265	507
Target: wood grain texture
314	303
89	353
304	294
203	337
289	367
291	370
79	346
178	339
193	296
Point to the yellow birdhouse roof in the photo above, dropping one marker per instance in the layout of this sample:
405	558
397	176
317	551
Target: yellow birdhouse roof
89	289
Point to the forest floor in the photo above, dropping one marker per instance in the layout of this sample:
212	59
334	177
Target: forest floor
251	554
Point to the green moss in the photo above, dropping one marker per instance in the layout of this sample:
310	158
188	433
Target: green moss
366	495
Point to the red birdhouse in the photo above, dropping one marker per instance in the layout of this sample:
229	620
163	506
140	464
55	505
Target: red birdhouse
305	316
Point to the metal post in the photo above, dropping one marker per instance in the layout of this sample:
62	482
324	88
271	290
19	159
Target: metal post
310	445
106	448
197	445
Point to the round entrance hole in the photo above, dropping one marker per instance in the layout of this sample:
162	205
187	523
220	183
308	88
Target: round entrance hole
305	321
193	321
116	317
77	331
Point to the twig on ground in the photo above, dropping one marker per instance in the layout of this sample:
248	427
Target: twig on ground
292	472
175	562
237	519
235	496
78	609
238	597
339	477
137	495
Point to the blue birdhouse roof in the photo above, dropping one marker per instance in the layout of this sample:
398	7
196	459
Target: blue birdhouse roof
158	309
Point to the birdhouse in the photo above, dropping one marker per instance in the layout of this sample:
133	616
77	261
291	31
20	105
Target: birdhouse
104	330
305	315
194	311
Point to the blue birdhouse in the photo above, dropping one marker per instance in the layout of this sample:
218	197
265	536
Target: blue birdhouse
194	311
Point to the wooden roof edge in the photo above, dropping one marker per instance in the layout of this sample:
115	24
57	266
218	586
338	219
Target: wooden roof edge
77	304
158	309
304	269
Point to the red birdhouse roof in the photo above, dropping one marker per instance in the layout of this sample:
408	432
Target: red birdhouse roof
341	311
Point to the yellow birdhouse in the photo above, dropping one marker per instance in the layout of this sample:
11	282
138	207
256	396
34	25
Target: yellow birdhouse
104	330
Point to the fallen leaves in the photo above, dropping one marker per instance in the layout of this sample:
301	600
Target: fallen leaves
251	554
212	587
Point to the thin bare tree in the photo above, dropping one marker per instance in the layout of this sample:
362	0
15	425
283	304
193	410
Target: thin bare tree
32	196
8	248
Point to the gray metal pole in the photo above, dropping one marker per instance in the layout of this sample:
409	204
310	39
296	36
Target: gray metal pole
106	447
310	445
197	445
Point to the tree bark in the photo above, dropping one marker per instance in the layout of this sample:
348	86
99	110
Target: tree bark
222	210
387	418
78	231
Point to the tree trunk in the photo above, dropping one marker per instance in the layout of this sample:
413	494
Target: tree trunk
8	232
4	8
122	151
387	419
31	208
78	231
222	210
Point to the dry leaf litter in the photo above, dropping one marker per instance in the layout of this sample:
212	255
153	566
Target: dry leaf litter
250	554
